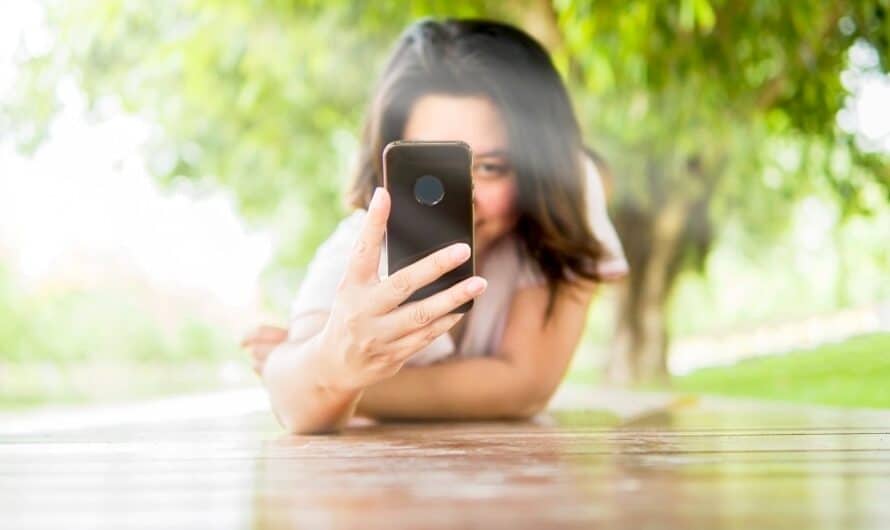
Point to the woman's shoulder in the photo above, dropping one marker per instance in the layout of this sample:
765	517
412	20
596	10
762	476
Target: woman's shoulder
612	265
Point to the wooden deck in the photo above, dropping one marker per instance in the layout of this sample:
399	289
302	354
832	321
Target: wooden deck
604	460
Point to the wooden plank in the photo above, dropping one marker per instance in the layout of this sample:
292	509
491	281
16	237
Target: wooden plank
706	464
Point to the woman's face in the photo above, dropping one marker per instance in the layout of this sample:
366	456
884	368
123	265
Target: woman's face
476	121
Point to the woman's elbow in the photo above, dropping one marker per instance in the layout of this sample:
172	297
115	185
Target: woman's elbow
297	424
531	400
303	420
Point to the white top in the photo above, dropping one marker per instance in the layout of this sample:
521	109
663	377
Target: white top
504	268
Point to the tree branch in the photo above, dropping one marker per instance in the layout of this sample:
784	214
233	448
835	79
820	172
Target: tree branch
771	89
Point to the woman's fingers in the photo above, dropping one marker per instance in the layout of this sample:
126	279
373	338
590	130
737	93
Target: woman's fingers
366	317
396	288
418	339
365	258
258	365
259	352
416	315
265	333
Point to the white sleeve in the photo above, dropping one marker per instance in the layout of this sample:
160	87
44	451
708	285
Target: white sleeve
612	265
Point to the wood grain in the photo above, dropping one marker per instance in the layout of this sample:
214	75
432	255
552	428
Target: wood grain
704	465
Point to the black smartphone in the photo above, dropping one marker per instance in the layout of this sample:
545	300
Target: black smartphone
431	190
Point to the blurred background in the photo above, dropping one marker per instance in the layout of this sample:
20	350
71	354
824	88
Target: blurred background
168	168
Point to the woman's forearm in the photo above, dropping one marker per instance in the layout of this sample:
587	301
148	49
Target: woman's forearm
473	388
301	396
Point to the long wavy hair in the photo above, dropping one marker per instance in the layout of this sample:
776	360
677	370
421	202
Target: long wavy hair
469	57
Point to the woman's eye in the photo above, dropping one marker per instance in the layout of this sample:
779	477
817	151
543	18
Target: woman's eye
491	170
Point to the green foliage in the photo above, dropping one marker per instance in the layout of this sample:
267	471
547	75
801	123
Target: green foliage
100	325
13	316
265	97
851	373
727	105
741	94
262	97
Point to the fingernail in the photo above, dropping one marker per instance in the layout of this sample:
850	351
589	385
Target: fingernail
476	285
375	199
461	251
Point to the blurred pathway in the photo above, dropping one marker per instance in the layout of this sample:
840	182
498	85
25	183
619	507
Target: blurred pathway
727	348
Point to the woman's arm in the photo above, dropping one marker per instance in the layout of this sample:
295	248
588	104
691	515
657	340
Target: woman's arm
517	382
296	372
474	388
368	334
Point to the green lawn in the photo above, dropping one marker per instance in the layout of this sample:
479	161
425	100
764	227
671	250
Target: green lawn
854	373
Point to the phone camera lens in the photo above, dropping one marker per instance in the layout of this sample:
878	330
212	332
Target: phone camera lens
428	190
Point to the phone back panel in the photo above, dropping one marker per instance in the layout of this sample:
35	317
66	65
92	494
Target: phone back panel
418	224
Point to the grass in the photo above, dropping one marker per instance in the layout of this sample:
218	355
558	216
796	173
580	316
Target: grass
853	373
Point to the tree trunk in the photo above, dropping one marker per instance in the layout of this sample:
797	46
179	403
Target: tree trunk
539	19
653	243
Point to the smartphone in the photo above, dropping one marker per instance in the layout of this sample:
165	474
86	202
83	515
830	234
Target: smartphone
431	191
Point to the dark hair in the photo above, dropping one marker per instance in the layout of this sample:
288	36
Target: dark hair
501	62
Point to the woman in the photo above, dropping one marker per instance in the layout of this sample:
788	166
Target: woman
543	242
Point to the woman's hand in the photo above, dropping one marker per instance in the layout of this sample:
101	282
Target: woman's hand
368	336
260	342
